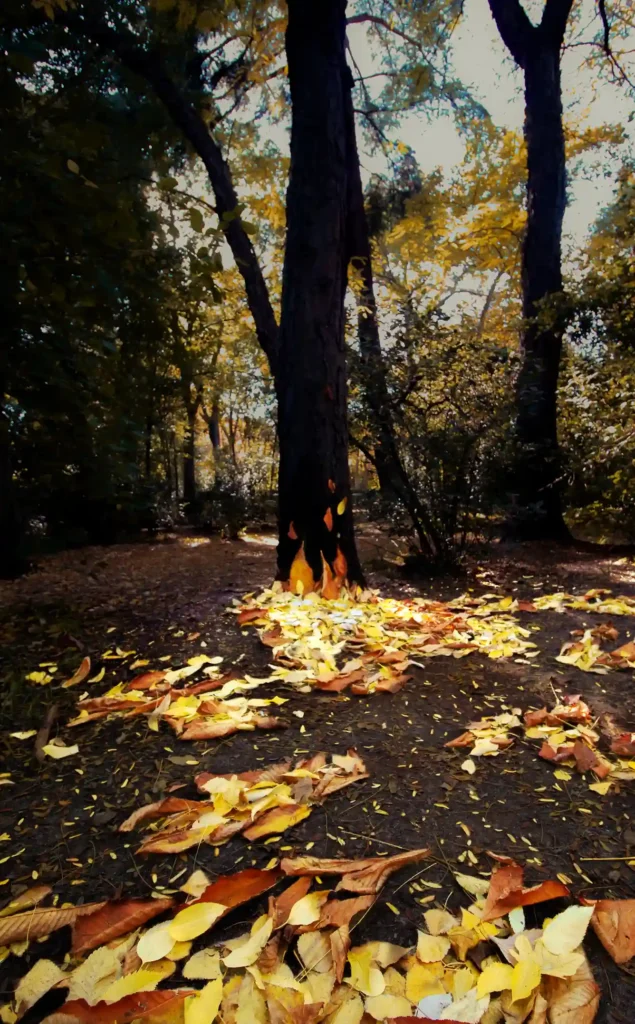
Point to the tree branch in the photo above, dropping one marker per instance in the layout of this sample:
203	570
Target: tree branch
554	20
516	30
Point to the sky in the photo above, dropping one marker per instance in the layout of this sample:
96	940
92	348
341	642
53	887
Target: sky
482	63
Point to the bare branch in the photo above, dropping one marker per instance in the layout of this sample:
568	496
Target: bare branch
517	32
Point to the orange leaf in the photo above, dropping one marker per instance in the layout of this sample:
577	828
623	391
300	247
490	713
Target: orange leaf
146	681
573	1000
278	819
336	913
79	675
249	615
41	921
613	922
171	805
281	906
340	565
157	1005
301	575
506	891
330	588
233	890
291	534
340	945
328	519
115	918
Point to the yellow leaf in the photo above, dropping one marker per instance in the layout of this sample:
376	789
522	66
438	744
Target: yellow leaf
247	953
495	978
365	977
562	774
156	943
193	921
567	930
385	953
179	951
432	948
196	884
383	1006
469	766
57	750
469	1008
301	579
525	978
341	508
145	979
424	980
475	886
203	1007
203	966
100	675
307	910
439	922
314	950
39	980
350	1012
90	979
600	787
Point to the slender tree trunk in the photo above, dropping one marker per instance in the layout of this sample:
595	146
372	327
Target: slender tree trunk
537	470
213	426
12	560
311	381
189	458
148	447
391	473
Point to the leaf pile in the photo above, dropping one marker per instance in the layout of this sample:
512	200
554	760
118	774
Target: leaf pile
600	601
256	804
379	637
192	714
296	963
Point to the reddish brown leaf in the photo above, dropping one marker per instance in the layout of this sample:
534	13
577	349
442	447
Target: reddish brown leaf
340	565
158	1005
340	683
233	890
280	906
506	878
208	729
624	745
291	534
115	918
250	615
466	739
336	913
328	519
331	485
340	945
146	681
614	924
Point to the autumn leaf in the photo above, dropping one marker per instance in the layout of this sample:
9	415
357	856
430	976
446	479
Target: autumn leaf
113	919
79	675
158	1005
277	820
301	575
30	898
613	922
195	919
364	876
42	921
328	519
573	1000
233	890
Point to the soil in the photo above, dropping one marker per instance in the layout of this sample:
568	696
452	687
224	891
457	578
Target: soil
58	821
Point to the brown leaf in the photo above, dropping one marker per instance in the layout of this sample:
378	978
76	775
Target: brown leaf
42	921
146	681
115	918
340	945
232	890
613	922
573	1000
291	534
171	805
336	913
280	907
250	615
506	891
79	675
164	1005
624	744
362	876
272	774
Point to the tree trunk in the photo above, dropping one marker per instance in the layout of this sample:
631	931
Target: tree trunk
213	426
537	469
311	381
12	560
189	459
391	473
538	465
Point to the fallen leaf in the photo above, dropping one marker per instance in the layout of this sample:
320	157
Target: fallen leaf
42	921
566	931
431	948
195	920
363	876
613	922
37	982
113	919
156	1005
79	675
203	966
573	1000
248	953
203	1007
58	750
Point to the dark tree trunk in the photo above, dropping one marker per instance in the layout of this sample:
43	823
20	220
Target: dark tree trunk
148	446
12	560
189	458
311	380
213	427
391	473
537	470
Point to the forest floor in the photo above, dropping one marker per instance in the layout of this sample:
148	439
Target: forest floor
166	600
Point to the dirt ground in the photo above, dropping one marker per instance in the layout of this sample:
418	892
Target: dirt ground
58	821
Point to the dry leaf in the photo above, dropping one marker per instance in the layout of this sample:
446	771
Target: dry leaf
613	922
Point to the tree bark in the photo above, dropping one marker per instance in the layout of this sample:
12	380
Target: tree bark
12	560
189	459
311	381
537	469
386	457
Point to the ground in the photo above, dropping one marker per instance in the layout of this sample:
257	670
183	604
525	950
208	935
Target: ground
58	822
